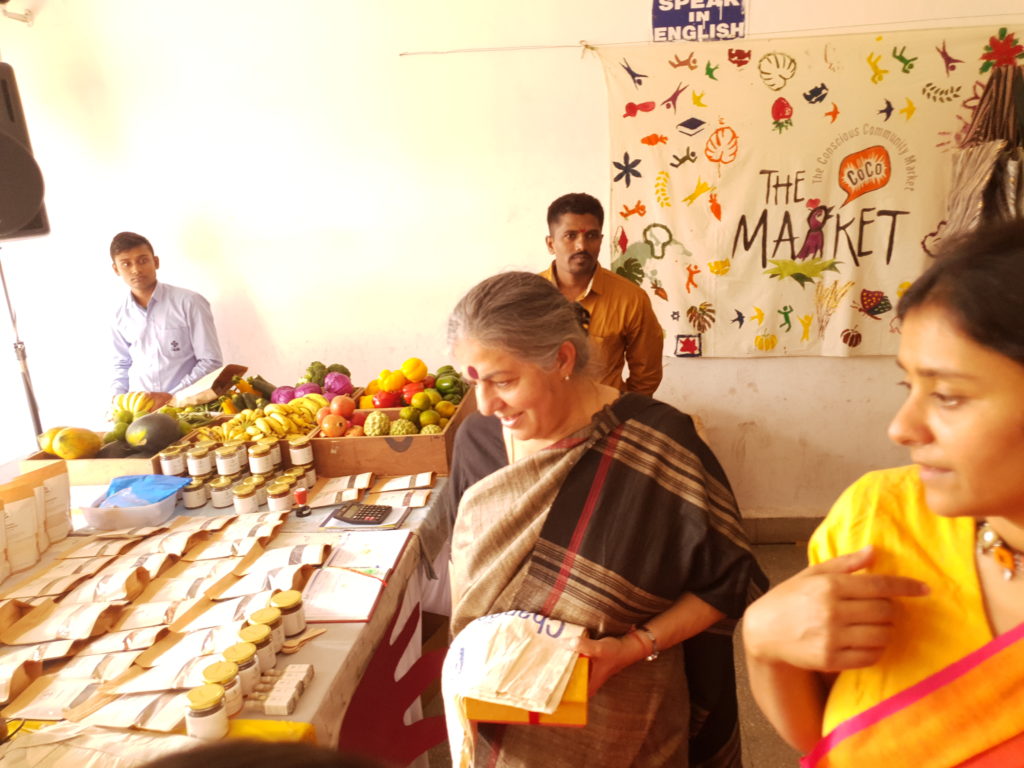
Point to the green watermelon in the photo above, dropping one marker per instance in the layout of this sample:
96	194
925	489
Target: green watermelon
153	432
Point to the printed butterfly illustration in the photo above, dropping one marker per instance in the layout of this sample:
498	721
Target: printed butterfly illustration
873	304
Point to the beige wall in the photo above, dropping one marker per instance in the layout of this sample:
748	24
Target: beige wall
333	197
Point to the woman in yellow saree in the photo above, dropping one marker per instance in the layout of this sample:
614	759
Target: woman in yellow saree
903	642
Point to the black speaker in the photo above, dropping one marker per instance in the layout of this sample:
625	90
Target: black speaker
22	213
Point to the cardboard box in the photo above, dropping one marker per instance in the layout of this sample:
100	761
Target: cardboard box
210	387
572	711
93	471
339	456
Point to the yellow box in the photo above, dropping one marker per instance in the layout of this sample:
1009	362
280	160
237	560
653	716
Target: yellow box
572	710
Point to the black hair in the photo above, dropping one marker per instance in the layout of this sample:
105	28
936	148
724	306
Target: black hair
125	241
979	279
579	203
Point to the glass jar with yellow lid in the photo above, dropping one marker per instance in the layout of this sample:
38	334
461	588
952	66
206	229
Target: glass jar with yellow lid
206	717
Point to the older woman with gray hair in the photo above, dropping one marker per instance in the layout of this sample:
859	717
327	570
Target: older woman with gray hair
600	509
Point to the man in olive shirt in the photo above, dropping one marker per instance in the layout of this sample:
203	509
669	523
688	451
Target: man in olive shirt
623	327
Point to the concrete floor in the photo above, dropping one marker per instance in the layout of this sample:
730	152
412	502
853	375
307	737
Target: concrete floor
762	748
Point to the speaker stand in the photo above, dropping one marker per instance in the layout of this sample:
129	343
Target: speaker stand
19	353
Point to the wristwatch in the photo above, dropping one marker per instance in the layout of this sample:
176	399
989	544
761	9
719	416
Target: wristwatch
654	641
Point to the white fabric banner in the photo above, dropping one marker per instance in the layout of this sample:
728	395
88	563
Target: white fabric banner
778	196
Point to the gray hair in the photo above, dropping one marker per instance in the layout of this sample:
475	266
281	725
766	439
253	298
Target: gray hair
523	313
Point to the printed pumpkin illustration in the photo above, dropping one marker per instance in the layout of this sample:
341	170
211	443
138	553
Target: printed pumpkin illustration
850	337
765	342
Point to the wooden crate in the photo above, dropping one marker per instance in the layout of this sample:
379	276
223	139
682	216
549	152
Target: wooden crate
339	456
93	471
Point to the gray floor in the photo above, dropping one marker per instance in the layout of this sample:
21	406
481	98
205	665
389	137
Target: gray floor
762	748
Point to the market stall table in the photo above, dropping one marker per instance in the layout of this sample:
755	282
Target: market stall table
344	652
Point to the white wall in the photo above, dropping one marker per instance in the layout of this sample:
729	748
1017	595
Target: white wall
333	197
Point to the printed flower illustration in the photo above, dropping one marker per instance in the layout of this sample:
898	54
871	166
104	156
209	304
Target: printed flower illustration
627	169
1002	51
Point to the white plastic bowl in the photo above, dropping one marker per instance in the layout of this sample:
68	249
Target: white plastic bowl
113	518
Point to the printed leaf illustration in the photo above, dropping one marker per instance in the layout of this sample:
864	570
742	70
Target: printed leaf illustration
701	317
803	272
631	270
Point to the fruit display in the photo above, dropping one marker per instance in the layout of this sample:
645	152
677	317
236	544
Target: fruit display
128	406
281	420
393	389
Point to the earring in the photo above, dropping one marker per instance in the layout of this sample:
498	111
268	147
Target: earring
566	378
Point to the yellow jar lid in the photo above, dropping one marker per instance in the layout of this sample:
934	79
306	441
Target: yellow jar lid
244	489
239	653
287	599
194	484
278	488
265	616
220	672
198	453
299	442
226	451
259	449
295	471
172	450
220	482
254	633
205	696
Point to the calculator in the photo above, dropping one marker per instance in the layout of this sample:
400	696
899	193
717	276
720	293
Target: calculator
362	514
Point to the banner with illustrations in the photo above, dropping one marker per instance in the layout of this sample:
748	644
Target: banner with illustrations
776	197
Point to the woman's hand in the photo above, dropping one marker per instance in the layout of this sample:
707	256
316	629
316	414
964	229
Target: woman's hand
827	617
608	656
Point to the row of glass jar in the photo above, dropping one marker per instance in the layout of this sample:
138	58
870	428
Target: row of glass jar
248	492
226	682
208	456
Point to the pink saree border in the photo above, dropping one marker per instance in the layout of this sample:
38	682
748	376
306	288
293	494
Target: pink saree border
911	695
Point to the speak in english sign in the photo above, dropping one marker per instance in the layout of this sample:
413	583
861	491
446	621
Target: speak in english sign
697	20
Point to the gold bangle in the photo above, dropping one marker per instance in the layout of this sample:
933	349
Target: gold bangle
654	641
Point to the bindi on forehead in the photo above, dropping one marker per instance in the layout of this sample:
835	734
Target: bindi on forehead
472	372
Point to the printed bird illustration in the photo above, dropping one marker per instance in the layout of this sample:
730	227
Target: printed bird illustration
698	99
833	113
738	319
710	71
814	241
909	110
758	315
887	110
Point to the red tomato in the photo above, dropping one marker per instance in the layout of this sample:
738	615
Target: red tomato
428	383
343	406
359	418
333	426
325	411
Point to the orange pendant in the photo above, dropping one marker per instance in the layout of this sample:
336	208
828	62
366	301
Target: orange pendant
1004	557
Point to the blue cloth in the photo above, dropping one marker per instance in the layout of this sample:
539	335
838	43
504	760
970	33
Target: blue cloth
166	346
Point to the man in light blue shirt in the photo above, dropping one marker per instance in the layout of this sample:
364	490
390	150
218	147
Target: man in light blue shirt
164	336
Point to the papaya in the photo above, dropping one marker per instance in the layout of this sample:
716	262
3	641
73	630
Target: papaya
154	432
76	443
46	439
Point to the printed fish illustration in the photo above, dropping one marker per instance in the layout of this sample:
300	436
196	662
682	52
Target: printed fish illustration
654	140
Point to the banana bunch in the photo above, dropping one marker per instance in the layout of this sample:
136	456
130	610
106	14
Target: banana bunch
128	406
281	420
